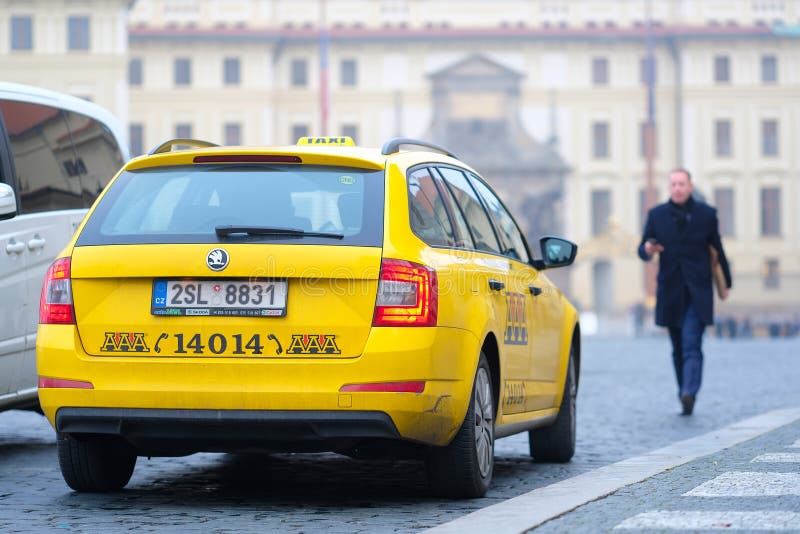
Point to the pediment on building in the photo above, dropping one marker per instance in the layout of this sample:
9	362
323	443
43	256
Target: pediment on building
476	66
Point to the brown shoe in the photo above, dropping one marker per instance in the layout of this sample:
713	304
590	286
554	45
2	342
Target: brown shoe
687	402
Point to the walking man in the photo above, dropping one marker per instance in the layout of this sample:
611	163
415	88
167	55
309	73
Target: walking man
682	231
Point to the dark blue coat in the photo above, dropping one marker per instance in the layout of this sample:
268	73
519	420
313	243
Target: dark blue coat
685	265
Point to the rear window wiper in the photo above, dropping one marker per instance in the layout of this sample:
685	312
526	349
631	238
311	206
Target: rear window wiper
228	230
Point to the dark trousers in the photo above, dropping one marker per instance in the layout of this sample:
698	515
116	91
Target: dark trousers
687	352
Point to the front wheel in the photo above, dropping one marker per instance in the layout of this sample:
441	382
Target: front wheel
95	464
463	469
556	442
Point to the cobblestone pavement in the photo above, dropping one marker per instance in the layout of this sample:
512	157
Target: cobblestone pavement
627	405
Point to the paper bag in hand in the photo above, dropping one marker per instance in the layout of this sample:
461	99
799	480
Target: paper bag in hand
717	274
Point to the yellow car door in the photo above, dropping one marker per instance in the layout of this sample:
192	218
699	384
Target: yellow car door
544	325
533	310
505	290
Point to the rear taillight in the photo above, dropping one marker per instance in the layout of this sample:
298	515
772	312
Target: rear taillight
55	306
407	295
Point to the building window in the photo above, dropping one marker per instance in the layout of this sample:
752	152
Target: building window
135	72
21	33
643	140
298	131
136	135
769	69
643	65
232	74
350	130
601	211
772	277
183	71
722	137
769	137
78	33
722	71
600	71
233	133
723	200
299	72
349	73
183	131
770	211
600	140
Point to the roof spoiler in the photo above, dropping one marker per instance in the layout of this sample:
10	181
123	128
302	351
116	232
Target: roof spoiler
167	146
392	146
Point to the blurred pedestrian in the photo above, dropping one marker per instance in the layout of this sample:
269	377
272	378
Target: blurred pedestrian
681	232
747	328
637	312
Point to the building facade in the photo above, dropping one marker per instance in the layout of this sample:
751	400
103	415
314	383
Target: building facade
79	47
727	105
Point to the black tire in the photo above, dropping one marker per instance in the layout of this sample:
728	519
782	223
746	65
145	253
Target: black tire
95	464
463	469
556	442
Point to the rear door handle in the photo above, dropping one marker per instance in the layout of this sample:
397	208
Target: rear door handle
496	285
36	243
535	291
15	247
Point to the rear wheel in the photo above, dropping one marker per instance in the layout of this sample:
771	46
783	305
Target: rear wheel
95	464
463	469
556	442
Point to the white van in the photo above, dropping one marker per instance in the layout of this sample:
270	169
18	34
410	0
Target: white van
57	152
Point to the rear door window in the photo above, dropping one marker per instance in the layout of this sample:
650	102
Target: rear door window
514	244
426	210
463	236
185	204
476	217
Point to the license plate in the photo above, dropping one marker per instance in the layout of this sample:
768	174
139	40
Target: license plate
227	298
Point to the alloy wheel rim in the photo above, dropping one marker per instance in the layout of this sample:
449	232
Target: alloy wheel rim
484	428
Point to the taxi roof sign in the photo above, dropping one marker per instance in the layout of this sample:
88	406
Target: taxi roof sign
341	140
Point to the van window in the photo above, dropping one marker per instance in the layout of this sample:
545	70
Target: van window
42	154
63	159
97	155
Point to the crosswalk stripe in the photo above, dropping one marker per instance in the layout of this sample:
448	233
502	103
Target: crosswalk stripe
778	457
712	520
749	484
531	509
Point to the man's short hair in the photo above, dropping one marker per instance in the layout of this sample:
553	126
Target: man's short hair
681	170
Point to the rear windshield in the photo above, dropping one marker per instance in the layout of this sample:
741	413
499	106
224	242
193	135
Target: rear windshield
185	204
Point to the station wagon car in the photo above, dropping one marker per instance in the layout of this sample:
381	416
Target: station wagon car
314	297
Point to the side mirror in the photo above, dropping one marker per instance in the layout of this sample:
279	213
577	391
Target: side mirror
8	202
556	252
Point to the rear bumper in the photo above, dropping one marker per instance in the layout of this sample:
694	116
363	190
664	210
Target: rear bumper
176	432
265	390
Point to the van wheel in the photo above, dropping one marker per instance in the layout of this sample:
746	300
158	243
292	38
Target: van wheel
556	442
463	469
95	464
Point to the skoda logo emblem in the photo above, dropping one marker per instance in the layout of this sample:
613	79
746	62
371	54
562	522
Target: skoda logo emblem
217	259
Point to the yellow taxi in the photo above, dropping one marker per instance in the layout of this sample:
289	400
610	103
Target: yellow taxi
317	297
